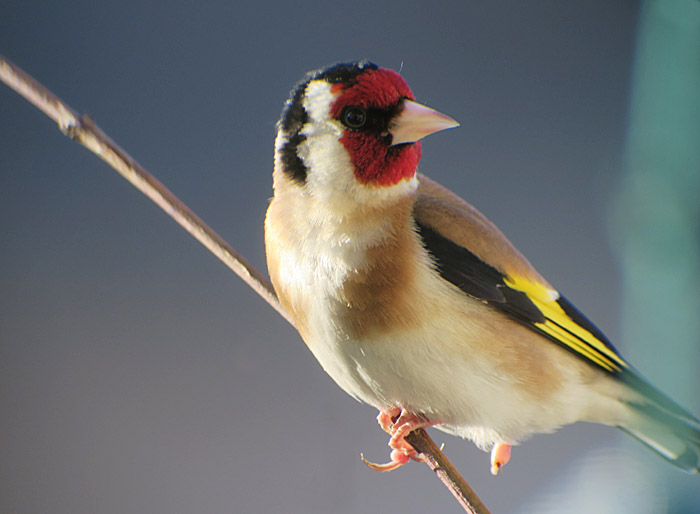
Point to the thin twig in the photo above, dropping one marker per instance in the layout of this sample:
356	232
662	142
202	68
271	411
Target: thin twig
84	130
446	472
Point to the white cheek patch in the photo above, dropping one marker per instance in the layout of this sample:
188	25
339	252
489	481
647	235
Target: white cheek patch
332	179
318	100
321	151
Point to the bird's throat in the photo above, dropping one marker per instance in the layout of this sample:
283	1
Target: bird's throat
377	163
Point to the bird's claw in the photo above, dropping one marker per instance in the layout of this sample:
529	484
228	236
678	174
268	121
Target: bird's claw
398	423
397	459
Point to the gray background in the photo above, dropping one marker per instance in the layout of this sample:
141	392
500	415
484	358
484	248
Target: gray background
137	374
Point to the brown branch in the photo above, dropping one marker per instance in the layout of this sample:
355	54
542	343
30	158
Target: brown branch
446	472
83	130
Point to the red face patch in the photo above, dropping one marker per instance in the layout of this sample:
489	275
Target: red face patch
379	164
375	161
380	88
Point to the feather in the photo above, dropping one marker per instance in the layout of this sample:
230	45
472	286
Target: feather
524	296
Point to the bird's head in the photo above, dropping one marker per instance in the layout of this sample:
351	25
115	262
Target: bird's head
351	131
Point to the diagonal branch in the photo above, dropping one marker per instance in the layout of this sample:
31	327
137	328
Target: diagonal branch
446	472
84	130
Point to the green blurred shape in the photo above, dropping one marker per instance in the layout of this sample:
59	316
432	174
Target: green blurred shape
656	225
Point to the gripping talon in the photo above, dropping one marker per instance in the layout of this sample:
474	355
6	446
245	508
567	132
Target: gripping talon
399	423
398	459
386	418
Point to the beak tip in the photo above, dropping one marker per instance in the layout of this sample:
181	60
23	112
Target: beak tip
450	122
417	121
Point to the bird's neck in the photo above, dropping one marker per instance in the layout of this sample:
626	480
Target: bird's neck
338	221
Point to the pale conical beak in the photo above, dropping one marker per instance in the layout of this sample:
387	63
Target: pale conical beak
416	121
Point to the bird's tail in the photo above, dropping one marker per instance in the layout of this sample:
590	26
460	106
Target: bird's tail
663	425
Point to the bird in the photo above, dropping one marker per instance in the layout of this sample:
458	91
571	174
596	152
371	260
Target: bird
417	304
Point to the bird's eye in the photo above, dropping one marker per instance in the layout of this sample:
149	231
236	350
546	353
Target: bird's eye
354	117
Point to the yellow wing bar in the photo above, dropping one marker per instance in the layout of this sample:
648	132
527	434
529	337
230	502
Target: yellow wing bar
561	327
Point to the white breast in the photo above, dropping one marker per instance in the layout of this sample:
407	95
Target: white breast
446	366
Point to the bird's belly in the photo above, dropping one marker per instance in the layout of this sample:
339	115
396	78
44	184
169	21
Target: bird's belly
448	359
437	368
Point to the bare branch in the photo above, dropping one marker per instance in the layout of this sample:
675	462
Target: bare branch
446	472
84	130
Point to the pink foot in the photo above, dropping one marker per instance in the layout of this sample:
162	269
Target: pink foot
398	459
386	418
399	423
404	425
500	455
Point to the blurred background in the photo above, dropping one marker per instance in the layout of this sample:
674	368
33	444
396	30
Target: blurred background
137	374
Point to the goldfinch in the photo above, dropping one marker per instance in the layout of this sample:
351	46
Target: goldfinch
415	303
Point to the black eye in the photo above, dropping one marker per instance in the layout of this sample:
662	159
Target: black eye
354	117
